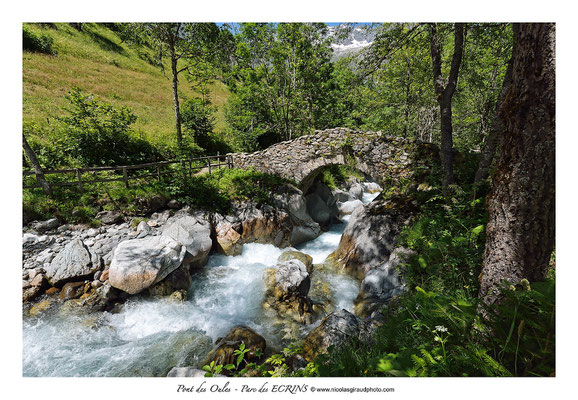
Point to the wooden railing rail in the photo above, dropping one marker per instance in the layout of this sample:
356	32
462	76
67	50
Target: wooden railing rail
186	164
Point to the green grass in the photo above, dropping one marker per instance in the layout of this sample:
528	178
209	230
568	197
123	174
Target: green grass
99	63
211	192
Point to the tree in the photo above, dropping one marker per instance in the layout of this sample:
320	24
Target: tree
186	45
521	223
279	83
491	142
443	94
36	165
198	120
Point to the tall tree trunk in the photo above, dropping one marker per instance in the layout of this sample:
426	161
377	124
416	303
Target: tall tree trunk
496	129
521	225
36	165
176	96
444	96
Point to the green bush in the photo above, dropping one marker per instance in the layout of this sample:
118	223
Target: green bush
96	133
198	120
37	43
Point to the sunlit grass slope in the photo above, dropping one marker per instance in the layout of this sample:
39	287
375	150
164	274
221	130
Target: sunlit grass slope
97	61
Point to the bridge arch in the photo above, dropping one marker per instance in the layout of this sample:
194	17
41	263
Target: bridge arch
387	159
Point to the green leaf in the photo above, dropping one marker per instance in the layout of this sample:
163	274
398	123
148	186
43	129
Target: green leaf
477	230
229	366
422	262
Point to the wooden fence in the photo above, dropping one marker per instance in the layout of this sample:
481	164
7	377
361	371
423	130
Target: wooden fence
124	175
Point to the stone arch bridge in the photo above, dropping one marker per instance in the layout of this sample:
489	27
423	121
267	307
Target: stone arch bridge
387	159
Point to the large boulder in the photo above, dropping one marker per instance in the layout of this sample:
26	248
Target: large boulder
265	225
318	210
224	351
342	196
140	263
74	262
194	233
227	236
356	191
337	329
42	226
249	224
304	227
110	217
287	288
177	281
306	259
383	283
349	207
369	237
321	204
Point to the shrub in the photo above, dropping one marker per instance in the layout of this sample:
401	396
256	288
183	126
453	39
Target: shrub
41	43
198	119
99	134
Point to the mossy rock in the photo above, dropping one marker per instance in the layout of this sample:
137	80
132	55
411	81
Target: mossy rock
40	307
297	255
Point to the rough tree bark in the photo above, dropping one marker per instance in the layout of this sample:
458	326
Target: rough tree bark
520	230
36	165
444	96
496	129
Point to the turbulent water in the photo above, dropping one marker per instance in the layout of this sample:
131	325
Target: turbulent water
150	336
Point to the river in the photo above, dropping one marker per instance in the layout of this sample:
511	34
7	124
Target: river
151	335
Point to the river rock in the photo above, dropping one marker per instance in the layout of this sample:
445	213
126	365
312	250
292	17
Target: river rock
368	238
71	290
383	283
173	204
179	279
371	187
42	226
286	289
304	227
194	233
74	262
318	210
265	225
223	353
342	196
337	329
110	217
349	206
30	293
356	191
306	259
228	238
321	204
153	204
38	280
140	263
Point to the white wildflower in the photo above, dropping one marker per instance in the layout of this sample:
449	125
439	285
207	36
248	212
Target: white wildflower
441	328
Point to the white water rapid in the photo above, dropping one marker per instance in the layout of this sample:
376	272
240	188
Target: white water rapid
150	336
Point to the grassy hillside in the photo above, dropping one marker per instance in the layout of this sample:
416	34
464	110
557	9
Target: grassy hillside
99	63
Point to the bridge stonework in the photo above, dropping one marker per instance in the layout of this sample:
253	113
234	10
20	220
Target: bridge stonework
387	159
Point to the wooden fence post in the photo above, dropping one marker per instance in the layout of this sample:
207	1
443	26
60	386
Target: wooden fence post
218	160
125	176
159	173
79	177
190	168
209	161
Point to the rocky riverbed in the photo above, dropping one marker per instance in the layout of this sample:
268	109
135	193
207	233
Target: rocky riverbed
138	297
